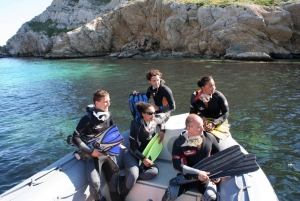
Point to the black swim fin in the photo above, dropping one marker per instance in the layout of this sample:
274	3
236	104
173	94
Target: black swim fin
214	164
246	166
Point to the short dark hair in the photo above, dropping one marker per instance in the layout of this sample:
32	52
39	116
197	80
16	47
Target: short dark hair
99	94
153	72
204	80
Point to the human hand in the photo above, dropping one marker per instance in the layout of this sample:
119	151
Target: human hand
147	162
209	127
96	153
216	180
161	135
156	108
203	176
135	92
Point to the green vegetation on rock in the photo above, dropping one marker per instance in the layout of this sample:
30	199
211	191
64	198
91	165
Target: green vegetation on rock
48	27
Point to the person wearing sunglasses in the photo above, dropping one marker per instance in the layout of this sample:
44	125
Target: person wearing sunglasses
162	95
142	131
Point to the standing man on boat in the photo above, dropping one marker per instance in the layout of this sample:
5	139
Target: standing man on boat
95	122
192	146
162	95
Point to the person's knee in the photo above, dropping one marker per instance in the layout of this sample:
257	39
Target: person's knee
132	176
210	192
149	173
171	193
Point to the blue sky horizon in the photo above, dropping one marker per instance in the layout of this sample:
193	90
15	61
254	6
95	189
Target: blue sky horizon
14	13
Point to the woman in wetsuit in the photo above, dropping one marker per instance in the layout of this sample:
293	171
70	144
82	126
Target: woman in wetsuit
164	102
141	133
209	103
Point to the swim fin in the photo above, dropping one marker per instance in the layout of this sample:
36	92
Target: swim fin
109	141
246	166
153	149
214	164
133	100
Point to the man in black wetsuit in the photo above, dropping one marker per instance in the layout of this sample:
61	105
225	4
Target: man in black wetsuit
192	146
162	95
96	121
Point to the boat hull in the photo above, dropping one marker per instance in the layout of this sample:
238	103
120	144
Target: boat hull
66	179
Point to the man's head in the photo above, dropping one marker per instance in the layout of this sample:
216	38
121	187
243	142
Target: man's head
153	76
101	100
194	125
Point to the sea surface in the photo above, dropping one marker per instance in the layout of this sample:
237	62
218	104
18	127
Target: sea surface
41	102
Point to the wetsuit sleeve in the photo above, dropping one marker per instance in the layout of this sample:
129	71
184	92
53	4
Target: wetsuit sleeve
224	109
148	93
160	122
133	142
177	160
82	127
171	102
215	146
193	108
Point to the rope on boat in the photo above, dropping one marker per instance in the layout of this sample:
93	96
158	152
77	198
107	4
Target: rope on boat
34	182
57	198
241	188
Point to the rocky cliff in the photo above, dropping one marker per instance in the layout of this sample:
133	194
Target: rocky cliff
84	28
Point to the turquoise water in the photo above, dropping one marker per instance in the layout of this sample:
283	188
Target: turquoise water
42	101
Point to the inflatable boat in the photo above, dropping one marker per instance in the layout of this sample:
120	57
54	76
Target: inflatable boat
63	180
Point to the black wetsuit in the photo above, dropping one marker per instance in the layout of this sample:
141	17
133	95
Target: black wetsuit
87	128
140	135
184	157
192	155
159	94
217	107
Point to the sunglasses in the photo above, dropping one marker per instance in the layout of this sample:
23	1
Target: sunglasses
150	113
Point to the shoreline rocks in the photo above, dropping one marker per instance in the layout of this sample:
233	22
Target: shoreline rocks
154	29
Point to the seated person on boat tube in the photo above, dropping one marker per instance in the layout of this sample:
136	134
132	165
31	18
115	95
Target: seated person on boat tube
161	94
96	121
141	132
209	103
192	146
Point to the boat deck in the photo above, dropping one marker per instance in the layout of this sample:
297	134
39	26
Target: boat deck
155	188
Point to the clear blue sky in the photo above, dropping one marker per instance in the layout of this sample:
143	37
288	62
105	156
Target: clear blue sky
13	13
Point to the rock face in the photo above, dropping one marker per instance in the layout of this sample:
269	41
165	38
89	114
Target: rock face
155	28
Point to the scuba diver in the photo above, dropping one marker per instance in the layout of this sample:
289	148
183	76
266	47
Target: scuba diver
141	133
97	120
212	106
192	146
162	95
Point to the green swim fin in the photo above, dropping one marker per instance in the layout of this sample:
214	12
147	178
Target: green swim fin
148	147
155	149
